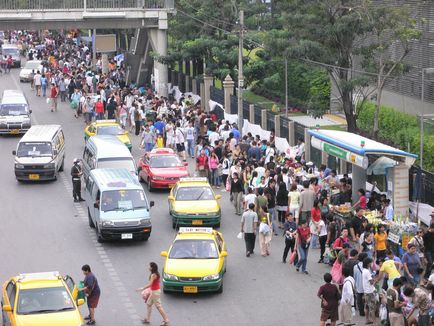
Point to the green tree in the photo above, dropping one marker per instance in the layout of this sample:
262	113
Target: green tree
392	32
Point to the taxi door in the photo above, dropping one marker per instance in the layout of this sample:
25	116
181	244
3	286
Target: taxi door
144	173
222	247
8	300
71	286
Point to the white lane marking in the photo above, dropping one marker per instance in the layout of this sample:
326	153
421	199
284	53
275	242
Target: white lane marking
121	290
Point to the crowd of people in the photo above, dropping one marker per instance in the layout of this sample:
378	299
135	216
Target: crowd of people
277	195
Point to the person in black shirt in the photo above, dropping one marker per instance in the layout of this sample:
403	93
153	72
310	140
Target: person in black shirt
356	227
428	242
290	230
76	173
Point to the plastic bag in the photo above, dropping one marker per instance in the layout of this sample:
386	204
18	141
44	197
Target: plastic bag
240	235
292	257
326	259
337	272
48	100
383	312
146	294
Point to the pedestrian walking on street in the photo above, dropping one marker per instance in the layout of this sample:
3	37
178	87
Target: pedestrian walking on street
76	173
265	235
92	291
347	301
303	242
237	193
37	82
330	296
154	297
249	222
54	93
290	231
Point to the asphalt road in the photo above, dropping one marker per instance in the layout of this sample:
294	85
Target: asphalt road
42	229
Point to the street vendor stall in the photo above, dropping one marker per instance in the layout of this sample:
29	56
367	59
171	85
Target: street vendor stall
362	152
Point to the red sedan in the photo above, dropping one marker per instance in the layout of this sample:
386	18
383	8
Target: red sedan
161	169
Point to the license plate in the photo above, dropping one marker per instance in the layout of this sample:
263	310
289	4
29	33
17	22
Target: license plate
125	236
14	131
190	289
196	222
33	176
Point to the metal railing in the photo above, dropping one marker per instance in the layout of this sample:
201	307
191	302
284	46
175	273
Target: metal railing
57	5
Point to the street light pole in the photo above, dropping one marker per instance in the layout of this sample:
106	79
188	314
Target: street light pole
422	116
286	85
240	73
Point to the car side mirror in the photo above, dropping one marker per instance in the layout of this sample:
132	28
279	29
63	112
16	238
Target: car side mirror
30	111
171	198
80	302
96	205
224	253
164	254
55	152
185	163
217	197
151	203
14	153
7	308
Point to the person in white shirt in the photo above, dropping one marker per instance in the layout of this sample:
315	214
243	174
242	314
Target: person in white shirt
250	198
180	141
191	136
389	214
270	152
347	298
299	154
213	136
37	82
369	291
260	169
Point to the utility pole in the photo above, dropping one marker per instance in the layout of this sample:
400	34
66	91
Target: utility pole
240	73
286	85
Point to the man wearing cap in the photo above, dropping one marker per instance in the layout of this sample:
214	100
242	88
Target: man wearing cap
76	173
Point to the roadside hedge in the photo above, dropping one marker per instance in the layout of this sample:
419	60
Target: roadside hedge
399	129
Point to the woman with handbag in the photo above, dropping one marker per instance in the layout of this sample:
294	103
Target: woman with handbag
153	298
264	233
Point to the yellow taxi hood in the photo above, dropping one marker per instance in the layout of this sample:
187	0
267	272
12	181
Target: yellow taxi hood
198	206
124	138
66	318
192	267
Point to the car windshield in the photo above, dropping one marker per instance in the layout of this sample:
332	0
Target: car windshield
118	163
193	249
34	149
32	65
165	161
44	300
10	52
194	193
110	130
123	200
13	109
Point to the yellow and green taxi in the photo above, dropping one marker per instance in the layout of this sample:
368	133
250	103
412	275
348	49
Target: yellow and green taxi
45	299
109	128
192	202
196	262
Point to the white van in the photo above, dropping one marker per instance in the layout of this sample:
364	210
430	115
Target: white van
14	113
40	154
13	51
107	152
118	208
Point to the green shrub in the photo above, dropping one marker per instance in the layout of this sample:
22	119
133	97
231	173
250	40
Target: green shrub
398	128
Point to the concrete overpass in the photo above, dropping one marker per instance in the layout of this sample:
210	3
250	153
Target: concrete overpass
144	15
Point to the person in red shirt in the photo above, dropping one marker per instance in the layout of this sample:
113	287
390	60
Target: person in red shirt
330	296
54	93
99	109
202	164
315	214
361	203
338	245
302	240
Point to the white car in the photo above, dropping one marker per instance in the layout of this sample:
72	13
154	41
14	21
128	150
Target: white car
26	71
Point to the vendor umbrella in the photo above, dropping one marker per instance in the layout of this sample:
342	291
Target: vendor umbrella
380	166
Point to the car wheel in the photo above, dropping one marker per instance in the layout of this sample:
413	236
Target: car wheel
91	224
140	177
98	235
220	290
149	185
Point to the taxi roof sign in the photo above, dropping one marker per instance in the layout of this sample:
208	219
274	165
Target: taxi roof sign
193	179
39	276
195	230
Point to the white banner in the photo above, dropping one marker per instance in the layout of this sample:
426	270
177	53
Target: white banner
424	211
213	104
178	94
